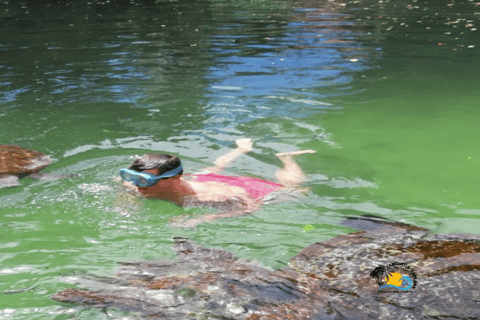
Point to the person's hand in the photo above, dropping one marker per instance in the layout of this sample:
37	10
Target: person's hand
245	144
130	186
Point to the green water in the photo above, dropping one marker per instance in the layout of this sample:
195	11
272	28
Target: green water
391	113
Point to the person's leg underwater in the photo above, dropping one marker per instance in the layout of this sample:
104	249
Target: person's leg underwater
291	176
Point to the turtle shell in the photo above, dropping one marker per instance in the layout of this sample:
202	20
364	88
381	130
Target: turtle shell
20	161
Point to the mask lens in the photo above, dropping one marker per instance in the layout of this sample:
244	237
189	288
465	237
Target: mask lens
126	176
142	182
140	179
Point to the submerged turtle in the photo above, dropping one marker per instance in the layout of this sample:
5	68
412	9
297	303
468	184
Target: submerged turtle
327	280
17	162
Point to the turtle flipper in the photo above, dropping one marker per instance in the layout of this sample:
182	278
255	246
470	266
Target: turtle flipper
8	180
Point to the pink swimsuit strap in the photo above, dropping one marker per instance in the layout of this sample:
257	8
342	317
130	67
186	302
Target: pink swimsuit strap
256	188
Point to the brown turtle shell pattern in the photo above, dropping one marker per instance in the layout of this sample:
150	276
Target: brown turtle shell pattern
20	161
328	280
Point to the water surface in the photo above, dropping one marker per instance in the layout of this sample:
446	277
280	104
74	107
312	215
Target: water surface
385	92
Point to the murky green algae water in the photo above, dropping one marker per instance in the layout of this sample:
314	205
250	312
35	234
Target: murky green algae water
385	92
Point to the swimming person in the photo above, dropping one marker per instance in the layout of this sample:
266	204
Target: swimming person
160	176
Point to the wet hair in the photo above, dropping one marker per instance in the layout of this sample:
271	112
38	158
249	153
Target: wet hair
161	161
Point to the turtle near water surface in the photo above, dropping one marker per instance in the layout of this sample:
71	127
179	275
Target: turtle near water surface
17	162
327	280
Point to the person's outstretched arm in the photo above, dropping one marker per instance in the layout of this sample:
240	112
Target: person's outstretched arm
249	206
244	146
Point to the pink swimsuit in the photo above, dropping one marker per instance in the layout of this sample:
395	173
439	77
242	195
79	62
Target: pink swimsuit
256	188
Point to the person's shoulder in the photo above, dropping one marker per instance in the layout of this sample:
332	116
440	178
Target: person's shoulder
203	171
195	174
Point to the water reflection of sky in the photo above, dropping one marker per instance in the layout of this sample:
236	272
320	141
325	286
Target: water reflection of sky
286	74
255	65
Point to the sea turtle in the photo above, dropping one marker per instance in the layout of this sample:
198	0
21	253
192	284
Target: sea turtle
328	280
17	162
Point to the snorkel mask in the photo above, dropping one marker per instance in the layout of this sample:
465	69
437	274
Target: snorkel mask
145	179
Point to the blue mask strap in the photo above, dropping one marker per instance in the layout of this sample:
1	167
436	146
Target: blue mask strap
170	173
